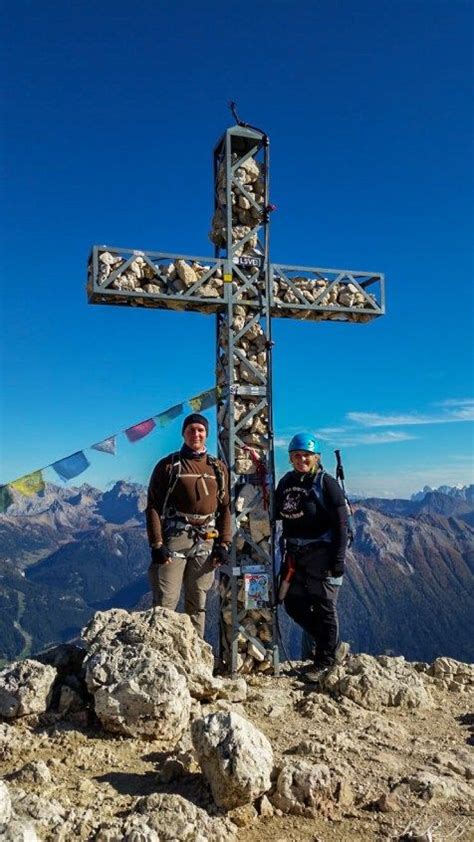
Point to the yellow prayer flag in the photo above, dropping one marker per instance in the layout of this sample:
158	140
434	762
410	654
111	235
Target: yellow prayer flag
204	400
29	484
196	403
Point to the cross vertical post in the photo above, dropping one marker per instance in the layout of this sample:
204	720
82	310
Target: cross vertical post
245	430
246	291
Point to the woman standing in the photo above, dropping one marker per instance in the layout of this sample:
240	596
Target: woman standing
312	508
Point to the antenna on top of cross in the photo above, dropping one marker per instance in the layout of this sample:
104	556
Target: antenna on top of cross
239	122
233	108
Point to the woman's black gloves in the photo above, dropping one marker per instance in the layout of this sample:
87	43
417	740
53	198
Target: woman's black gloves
337	569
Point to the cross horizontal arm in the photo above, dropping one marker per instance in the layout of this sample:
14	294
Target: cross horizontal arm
185	282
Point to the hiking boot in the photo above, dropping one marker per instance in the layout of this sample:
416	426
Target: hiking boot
342	652
316	674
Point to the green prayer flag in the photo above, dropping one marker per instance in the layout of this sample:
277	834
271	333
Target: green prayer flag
6	498
165	418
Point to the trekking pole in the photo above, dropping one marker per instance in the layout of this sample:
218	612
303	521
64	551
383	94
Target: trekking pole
340	478
340	469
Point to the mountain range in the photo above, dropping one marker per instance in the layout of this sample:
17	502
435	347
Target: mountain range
462	492
68	552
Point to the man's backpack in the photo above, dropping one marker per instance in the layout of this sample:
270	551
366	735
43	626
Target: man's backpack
318	491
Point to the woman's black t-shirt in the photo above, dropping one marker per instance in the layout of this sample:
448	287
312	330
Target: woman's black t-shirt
301	513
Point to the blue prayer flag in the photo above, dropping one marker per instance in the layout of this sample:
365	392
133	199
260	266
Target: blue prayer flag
71	466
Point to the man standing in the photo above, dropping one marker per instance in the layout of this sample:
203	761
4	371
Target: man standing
188	522
313	511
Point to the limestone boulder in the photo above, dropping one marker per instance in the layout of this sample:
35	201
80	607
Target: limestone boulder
5	806
173	817
35	772
235	757
245	497
259	521
20	831
449	674
459	760
186	272
169	634
375	683
303	788
435	787
26	687
167	818
139	694
233	689
10	741
48	813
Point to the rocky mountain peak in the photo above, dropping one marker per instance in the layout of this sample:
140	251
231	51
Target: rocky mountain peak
132	737
124	501
462	492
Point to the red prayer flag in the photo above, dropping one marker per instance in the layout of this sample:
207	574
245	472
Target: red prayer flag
139	431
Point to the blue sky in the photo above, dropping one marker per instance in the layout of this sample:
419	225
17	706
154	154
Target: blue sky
110	114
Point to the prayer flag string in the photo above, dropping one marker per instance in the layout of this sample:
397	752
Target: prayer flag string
71	466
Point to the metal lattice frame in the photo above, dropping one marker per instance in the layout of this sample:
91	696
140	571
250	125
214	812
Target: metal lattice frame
248	276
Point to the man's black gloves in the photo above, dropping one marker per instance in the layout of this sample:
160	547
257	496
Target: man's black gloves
219	555
337	569
160	555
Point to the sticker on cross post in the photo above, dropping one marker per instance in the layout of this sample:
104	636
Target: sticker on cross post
247	260
256	590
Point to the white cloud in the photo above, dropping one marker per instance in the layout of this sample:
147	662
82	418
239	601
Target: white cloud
456	402
454	410
328	433
279	441
349	439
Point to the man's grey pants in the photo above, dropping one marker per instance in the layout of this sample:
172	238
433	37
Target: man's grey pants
194	571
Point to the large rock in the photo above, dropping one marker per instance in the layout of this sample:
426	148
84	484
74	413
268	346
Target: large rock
10	741
186	273
5	806
138	694
235	757
167	818
450	674
376	683
35	772
459	760
13	829
303	788
430	786
170	635
25	687
173	817
20	831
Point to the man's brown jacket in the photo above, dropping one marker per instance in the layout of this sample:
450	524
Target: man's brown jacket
195	492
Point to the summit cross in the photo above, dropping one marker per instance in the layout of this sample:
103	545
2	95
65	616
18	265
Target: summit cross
246	291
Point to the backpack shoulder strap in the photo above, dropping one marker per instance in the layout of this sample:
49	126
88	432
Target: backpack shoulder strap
215	464
174	474
318	488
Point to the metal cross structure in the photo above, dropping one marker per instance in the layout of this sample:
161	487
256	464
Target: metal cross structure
245	291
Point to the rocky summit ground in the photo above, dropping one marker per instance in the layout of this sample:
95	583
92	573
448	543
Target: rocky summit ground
382	749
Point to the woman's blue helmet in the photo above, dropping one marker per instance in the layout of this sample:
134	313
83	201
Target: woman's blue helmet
304	441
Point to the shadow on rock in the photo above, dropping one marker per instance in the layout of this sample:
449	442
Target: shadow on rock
467	719
130	783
